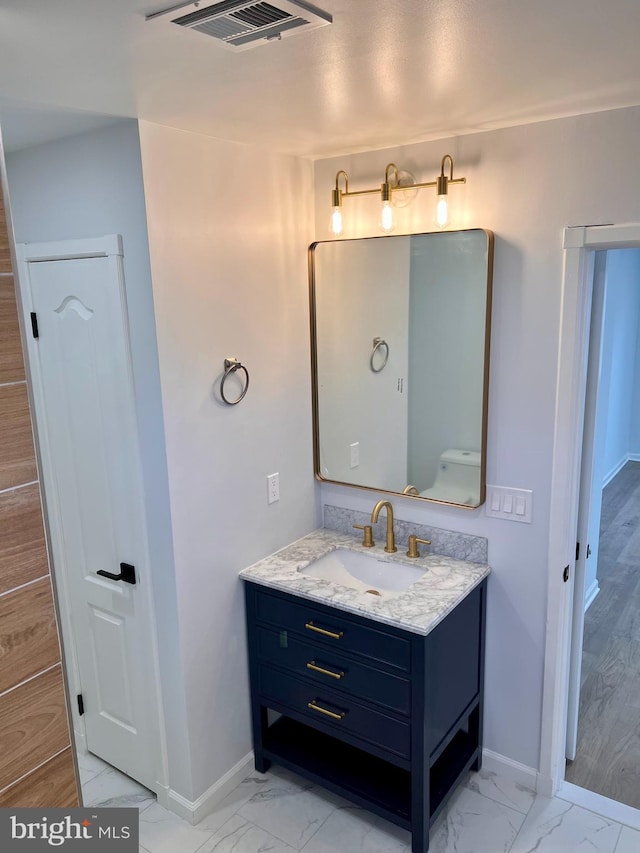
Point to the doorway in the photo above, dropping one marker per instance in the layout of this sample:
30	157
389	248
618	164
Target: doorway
604	680
607	758
581	245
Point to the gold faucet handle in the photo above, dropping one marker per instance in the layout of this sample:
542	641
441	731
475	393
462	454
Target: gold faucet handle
367	539
413	545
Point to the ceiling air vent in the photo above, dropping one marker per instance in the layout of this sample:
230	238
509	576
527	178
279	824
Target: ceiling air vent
240	25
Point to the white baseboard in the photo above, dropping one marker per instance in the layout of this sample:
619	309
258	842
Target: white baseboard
503	766
611	809
195	811
162	795
590	595
546	786
633	457
616	469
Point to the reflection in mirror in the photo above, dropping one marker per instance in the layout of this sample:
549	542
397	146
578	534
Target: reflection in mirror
400	355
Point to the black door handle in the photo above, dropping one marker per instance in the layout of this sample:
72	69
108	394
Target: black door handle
127	574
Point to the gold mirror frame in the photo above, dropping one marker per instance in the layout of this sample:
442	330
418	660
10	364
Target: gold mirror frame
485	396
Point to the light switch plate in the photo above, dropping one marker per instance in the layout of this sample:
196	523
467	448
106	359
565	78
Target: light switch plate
510	504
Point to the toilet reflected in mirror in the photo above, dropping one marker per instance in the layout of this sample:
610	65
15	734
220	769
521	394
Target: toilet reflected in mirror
458	478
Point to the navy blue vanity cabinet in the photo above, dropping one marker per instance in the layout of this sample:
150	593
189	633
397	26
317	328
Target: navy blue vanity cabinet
389	719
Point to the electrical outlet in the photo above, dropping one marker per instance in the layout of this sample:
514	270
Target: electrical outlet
273	488
354	454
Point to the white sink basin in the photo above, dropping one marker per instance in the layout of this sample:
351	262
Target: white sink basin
364	572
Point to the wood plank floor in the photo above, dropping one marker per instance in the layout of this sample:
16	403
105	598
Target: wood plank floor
608	755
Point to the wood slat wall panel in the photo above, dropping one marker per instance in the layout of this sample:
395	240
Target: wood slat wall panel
17	459
23	553
28	633
33	725
52	785
5	258
11	361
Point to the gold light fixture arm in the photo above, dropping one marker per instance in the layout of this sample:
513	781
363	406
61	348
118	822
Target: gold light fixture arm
443	180
387	179
361	192
337	193
386	189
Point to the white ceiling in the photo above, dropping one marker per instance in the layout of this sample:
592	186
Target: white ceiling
386	72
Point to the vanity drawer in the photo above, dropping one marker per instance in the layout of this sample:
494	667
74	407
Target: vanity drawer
330	668
337	710
328	627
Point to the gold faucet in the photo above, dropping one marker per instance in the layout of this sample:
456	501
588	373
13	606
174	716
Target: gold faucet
390	547
412	551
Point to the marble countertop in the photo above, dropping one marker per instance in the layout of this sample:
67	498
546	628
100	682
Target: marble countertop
419	609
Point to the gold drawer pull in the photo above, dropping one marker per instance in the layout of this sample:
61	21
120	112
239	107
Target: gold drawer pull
312	665
331	714
333	634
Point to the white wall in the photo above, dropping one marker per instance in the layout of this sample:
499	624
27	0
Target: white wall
362	292
620	371
89	185
526	184
229	226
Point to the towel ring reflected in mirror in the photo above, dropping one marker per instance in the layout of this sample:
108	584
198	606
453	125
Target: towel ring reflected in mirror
381	346
232	365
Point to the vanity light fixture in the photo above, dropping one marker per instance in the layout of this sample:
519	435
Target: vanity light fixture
442	189
386	192
335	223
390	184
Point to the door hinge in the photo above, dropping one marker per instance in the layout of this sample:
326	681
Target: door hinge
34	324
80	704
565	574
577	551
588	551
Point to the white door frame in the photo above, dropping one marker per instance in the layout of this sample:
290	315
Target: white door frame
580	245
586	502
110	247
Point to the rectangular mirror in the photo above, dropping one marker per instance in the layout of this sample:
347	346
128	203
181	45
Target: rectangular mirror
400	330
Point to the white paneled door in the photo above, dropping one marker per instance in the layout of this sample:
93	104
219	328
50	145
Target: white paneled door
84	399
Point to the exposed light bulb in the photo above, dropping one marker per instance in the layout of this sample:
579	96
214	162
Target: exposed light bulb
335	223
442	211
386	217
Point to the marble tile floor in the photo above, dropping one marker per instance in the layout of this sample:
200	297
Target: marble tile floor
104	786
282	813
